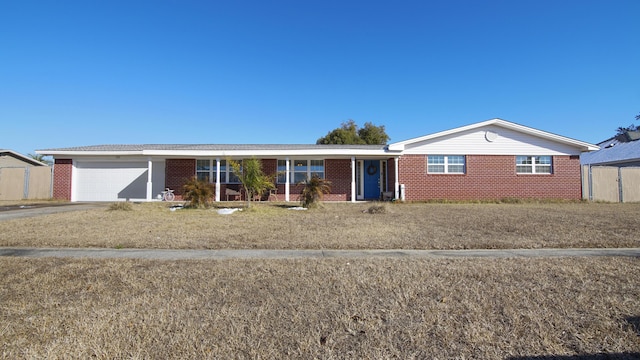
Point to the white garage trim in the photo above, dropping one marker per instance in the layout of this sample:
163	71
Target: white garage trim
116	181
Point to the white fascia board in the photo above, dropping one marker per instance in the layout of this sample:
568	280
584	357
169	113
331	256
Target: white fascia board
63	153
400	146
265	153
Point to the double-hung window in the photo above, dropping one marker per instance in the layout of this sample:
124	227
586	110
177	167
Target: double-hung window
533	164
446	164
300	170
206	169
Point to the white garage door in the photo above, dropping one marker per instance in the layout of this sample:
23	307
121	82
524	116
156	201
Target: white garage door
110	181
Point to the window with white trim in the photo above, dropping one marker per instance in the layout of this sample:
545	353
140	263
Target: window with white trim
533	164
206	169
300	170
446	164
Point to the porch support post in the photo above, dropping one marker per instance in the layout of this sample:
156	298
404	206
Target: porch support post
397	183
286	182
353	179
149	179
217	179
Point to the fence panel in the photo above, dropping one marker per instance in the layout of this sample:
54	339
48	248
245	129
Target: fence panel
630	180
12	183
604	184
33	182
39	182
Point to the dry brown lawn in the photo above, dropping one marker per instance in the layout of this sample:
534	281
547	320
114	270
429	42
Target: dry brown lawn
320	309
337	226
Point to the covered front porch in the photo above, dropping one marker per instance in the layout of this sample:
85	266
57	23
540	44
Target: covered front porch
352	179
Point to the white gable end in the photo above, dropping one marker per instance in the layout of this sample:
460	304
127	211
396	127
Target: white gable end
490	140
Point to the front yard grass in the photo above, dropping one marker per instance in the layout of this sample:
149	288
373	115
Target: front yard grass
330	308
320	309
336	226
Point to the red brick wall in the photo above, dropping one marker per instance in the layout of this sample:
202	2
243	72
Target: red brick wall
490	177
177	172
338	171
391	175
62	171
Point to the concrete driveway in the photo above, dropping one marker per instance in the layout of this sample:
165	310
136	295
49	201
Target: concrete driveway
32	210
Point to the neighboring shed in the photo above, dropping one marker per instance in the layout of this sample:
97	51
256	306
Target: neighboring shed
10	158
22	177
613	172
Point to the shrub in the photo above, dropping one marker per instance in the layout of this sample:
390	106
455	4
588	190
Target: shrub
199	193
121	205
313	191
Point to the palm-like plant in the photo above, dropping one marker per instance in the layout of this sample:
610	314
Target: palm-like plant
313	191
252	178
199	193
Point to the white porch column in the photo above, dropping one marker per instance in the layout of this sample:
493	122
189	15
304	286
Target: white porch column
353	179
217	179
149	179
397	184
287	178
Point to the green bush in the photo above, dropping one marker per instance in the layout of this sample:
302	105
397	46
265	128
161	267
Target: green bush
313	191
199	193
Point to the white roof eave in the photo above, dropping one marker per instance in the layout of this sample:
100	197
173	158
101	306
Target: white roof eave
88	153
264	153
223	153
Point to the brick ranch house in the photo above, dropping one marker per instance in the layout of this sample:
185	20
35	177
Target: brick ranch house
488	160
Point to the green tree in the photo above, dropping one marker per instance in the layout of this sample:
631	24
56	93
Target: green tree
349	133
373	135
252	178
313	191
199	193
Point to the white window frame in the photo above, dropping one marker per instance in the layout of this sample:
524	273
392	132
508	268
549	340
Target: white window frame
210	172
447	166
536	165
292	169
224	175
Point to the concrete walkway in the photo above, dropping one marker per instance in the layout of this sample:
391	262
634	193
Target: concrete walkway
163	254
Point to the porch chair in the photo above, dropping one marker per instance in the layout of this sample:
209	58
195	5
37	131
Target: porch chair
273	192
230	192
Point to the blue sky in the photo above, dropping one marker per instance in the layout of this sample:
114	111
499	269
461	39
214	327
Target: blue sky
128	72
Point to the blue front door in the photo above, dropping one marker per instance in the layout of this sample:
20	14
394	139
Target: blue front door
371	179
